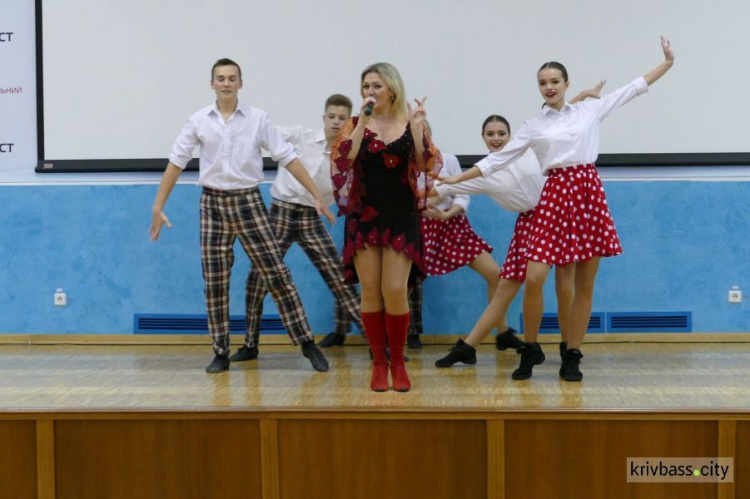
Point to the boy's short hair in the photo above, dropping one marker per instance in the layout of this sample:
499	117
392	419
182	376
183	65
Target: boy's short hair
225	62
339	100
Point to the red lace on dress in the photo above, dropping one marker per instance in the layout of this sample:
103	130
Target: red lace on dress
347	189
365	225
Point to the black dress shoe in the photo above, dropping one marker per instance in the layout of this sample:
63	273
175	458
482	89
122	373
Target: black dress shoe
332	339
413	341
461	352
508	339
317	359
219	364
570	370
244	353
531	355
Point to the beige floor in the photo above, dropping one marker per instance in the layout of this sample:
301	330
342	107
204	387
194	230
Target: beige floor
630	376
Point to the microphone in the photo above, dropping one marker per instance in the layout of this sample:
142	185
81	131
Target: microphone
368	109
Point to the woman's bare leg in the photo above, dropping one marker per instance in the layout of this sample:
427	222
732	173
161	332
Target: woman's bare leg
533	299
486	266
585	277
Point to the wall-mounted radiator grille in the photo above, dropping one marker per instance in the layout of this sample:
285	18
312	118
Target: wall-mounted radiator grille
197	324
626	322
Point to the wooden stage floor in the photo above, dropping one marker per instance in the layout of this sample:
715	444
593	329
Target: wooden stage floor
142	422
622	377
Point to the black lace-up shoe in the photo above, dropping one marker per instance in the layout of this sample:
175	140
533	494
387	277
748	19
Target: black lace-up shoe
508	339
531	355
317	359
219	364
332	339
570	370
244	353
460	352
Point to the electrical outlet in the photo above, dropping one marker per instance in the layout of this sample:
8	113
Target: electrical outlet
61	299
735	295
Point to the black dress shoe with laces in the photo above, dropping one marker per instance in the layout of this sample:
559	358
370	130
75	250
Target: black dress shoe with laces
570	370
413	341
316	357
460	352
508	339
531	355
219	364
332	339
244	353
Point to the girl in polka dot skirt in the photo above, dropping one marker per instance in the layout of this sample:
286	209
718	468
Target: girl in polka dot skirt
449	243
572	226
517	189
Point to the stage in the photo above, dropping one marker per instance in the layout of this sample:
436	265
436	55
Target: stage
101	421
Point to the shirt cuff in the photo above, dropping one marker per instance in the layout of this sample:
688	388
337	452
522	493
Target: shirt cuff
285	160
442	190
463	202
641	87
178	161
484	166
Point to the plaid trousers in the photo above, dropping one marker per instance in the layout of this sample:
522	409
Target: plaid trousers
415	309
225	216
298	223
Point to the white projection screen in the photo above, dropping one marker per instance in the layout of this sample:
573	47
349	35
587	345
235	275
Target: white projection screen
119	79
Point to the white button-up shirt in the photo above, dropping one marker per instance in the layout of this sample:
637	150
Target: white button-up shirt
451	167
230	152
310	146
563	138
515	188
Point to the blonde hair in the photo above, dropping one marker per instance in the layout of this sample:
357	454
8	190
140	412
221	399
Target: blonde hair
390	76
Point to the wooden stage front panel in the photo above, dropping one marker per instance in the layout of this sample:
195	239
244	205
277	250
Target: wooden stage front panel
742	460
382	458
589	458
18	459
161	458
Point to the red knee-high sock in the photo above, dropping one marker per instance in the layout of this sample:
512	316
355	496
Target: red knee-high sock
374	323
397	327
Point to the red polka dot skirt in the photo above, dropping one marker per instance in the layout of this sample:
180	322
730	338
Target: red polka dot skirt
448	245
517	258
572	222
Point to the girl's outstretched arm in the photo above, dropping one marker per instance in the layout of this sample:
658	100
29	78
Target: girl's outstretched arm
662	68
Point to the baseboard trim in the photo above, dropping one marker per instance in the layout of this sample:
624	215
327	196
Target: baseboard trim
352	339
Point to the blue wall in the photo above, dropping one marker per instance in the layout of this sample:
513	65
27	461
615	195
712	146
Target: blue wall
686	244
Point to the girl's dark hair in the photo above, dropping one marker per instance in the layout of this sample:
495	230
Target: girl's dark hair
495	118
555	65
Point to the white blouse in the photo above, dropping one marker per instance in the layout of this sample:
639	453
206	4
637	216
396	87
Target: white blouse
451	167
516	188
563	138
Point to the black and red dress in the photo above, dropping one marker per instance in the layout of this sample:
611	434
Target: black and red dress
377	192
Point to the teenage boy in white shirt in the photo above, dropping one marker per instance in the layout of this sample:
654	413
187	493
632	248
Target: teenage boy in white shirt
230	136
295	219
